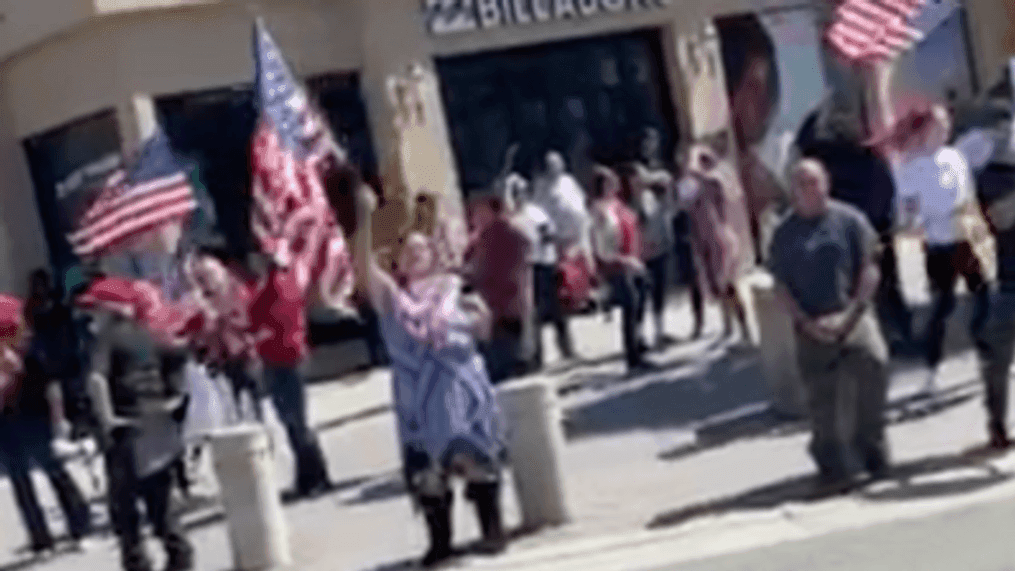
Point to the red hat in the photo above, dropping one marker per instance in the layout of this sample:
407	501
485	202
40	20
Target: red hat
133	299
11	318
142	302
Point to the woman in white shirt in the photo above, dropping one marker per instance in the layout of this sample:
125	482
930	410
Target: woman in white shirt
936	188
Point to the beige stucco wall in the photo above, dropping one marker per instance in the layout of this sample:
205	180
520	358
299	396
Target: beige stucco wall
113	61
992	33
70	66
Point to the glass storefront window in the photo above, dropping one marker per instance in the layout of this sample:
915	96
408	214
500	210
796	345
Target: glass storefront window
587	98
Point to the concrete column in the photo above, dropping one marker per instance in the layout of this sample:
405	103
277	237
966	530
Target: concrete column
402	95
246	472
535	442
138	120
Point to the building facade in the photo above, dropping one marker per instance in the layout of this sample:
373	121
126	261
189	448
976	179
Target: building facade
82	81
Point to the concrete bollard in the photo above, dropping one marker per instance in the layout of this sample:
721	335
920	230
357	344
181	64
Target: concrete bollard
778	348
535	440
246	473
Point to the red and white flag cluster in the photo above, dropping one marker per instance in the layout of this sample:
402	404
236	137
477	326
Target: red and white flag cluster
873	30
292	218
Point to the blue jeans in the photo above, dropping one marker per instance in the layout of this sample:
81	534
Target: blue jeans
289	396
995	346
25	440
628	291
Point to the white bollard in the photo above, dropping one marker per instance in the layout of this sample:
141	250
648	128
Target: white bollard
535	440
246	473
778	349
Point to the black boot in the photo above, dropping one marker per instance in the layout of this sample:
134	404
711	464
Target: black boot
179	553
438	522
487	500
998	436
134	558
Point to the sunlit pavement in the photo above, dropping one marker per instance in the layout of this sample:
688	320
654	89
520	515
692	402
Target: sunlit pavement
665	450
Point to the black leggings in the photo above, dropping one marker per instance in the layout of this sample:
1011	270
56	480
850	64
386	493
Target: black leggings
944	266
658	272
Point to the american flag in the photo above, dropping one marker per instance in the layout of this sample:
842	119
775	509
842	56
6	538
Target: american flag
155	190
291	217
872	30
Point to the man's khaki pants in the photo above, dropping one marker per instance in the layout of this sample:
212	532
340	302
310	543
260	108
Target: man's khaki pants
847	386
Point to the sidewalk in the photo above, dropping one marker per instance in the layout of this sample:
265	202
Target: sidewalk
688	497
677	464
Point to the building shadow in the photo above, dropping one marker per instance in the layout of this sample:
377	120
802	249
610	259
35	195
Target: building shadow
767	423
461	552
906	482
390	487
684	392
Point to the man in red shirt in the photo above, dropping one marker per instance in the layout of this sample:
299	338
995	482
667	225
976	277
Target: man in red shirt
499	269
278	319
617	243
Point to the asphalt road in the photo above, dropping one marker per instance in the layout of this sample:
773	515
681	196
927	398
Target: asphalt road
975	538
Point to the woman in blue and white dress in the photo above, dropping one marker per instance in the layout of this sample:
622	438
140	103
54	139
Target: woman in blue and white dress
449	423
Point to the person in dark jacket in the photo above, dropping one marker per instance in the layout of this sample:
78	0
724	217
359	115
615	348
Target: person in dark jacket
137	387
861	177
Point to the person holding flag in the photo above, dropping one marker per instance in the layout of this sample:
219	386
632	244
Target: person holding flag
300	237
140	347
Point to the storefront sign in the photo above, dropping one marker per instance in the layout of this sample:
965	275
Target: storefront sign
87	175
456	16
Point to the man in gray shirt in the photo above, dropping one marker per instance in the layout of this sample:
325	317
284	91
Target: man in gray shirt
823	258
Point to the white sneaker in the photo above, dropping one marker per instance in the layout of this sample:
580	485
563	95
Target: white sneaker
83	545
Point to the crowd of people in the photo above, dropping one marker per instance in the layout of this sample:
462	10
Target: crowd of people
117	358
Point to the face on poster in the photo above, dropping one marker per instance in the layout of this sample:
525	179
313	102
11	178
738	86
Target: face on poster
775	79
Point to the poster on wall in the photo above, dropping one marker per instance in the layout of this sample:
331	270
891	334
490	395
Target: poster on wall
798	59
774	79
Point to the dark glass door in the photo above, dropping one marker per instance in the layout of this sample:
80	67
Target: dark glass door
214	128
587	98
63	163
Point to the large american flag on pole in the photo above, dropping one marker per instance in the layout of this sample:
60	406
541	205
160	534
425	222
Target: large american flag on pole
291	216
873	30
155	190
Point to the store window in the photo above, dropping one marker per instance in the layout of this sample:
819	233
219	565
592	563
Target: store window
587	98
214	128
63	162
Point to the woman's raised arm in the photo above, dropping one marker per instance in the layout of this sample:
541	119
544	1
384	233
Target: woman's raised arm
378	284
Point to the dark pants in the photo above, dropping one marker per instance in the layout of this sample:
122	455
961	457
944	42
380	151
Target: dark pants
238	373
288	393
658	271
372	336
847	387
995	348
25	440
628	291
548	309
686	272
944	266
892	308
125	490
504	352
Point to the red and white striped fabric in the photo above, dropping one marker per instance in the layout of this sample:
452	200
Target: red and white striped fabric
293	221
872	30
143	302
155	190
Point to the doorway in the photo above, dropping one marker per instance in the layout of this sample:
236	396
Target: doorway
587	98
